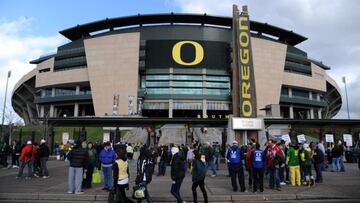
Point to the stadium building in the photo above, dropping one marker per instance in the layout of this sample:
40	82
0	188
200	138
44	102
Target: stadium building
172	66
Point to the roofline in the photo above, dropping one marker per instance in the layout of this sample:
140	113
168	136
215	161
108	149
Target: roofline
85	30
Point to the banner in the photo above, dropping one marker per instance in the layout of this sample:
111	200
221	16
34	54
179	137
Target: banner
286	138
106	137
301	138
348	140
65	137
329	138
243	49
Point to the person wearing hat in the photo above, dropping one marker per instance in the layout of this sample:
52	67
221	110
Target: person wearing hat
306	158
43	154
234	156
27	157
178	171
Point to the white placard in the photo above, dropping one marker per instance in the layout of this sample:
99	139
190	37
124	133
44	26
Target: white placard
348	139
106	137
247	123
286	138
65	137
329	138
301	138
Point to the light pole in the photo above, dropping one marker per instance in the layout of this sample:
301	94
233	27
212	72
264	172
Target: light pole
347	99
3	113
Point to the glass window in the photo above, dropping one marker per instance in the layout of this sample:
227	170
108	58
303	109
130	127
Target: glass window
157	77
314	95
157	90
186	84
157	84
218	84
85	90
65	91
217	92
218	78
47	93
187	77
186	91
285	91
143	81
300	93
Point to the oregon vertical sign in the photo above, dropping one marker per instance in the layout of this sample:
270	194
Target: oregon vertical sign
244	64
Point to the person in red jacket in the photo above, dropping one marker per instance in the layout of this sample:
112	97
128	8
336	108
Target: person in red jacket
27	157
249	164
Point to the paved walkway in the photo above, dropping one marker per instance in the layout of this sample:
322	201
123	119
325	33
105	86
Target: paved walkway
340	186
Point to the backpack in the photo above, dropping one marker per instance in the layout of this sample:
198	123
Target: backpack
235	156
257	159
29	154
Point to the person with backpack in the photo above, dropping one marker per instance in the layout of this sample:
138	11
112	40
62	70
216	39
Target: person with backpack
107	158
178	170
198	176
306	158
27	157
234	156
293	162
44	153
318	160
144	169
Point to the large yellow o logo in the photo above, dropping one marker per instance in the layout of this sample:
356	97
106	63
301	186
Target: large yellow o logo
199	53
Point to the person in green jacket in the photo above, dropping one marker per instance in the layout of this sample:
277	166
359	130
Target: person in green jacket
306	157
93	157
198	176
293	162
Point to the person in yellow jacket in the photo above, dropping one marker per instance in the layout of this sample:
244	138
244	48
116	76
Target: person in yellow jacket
121	176
293	162
306	158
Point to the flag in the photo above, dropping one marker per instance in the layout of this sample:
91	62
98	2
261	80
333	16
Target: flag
9	73
343	79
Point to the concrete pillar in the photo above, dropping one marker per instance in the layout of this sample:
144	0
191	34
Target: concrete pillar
312	113
53	92
290	92
170	108
31	117
204	109
291	112
310	96
319	114
76	110
77	91
42	111
25	116
51	113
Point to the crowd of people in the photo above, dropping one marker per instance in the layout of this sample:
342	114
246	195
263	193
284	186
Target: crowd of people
283	162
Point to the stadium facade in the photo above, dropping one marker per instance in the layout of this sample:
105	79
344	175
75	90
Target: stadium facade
172	65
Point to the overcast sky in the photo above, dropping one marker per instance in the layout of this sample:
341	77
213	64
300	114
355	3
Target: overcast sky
29	29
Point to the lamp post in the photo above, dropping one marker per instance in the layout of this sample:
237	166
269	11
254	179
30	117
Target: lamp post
347	99
3	113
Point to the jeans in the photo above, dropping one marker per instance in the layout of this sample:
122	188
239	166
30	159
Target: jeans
274	178
75	179
240	173
162	167
175	190
22	166
318	169
200	183
258	174
107	171
250	173
282	174
342	167
217	161
43	167
336	164
212	165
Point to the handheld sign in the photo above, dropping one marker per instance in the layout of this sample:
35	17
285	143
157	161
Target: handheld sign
301	138
106	137
65	137
286	138
329	138
348	139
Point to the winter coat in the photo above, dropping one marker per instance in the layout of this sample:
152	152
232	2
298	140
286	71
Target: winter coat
78	157
43	151
177	168
198	170
25	150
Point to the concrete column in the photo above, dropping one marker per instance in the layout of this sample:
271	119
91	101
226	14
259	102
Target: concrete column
204	109
53	92
51	113
170	108
31	116
310	96
291	112
319	114
42	111
245	137
312	113
77	91
76	110
42	93
318	97
290	92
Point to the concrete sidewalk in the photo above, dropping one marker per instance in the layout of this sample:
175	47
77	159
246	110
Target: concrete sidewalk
339	186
